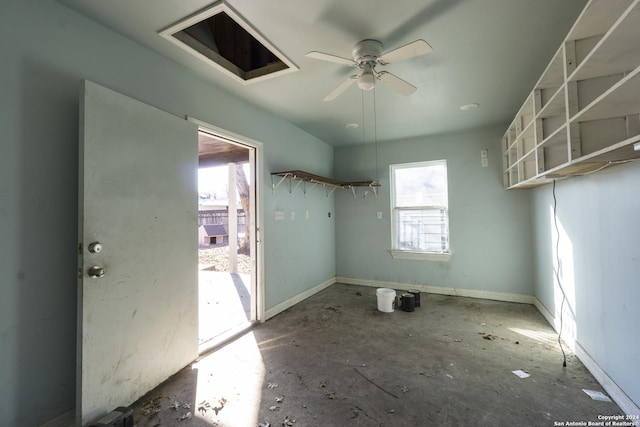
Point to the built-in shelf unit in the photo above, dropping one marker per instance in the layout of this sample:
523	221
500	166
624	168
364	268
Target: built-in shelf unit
584	112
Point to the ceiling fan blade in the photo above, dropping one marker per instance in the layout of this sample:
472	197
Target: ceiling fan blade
431	12
416	48
341	88
331	58
396	83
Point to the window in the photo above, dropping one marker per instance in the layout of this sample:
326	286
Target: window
419	210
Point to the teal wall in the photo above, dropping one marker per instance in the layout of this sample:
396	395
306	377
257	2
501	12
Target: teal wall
599	266
490	229
46	50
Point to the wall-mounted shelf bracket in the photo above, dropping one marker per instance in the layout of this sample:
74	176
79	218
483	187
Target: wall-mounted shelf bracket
291	190
275	186
373	185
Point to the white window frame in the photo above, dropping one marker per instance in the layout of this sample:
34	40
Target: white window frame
441	256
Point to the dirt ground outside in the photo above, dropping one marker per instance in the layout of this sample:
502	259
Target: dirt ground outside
216	258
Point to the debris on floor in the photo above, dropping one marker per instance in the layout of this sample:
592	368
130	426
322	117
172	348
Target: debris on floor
221	403
279	399
334	308
597	395
359	293
288	421
152	407
185	416
177	405
487	336
272	385
520	373
264	425
203	407
274	408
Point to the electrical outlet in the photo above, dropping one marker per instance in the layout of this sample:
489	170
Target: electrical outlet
293	215
379	214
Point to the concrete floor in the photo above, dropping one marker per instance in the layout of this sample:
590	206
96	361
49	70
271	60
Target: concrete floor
334	360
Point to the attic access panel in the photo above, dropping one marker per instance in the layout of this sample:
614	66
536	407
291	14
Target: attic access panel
223	39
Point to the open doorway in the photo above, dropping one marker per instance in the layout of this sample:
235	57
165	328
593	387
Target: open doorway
227	242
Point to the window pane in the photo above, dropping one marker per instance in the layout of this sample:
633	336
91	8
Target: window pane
421	186
422	230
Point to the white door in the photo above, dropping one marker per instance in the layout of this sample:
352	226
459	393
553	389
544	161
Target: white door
138	323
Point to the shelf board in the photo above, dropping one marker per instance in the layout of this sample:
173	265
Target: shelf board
527	132
597	18
618	101
621	151
557	138
362	184
321	180
553	75
567	169
309	177
555	106
616	52
533	182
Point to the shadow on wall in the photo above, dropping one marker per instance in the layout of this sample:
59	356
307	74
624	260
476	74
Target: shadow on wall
48	186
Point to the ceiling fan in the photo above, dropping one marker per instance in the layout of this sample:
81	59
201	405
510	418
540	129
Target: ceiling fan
366	55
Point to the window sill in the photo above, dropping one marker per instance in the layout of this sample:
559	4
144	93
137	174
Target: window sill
421	256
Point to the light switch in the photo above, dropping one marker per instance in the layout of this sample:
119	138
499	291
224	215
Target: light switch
379	214
278	215
293	215
306	214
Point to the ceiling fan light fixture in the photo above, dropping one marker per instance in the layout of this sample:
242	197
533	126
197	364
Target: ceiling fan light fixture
366	81
367	78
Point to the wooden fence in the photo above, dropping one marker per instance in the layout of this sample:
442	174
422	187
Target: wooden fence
221	216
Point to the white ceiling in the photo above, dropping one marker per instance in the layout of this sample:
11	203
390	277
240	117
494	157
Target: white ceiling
489	52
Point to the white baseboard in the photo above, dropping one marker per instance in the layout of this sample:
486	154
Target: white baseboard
298	298
67	419
545	313
615	392
460	292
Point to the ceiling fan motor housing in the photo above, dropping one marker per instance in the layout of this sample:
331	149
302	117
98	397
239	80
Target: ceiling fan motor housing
366	51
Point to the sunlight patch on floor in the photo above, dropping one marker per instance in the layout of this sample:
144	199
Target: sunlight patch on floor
230	382
540	336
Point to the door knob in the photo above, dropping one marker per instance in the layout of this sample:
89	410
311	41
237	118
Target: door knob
95	272
95	247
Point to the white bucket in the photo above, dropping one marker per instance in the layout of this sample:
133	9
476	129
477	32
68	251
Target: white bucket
386	299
